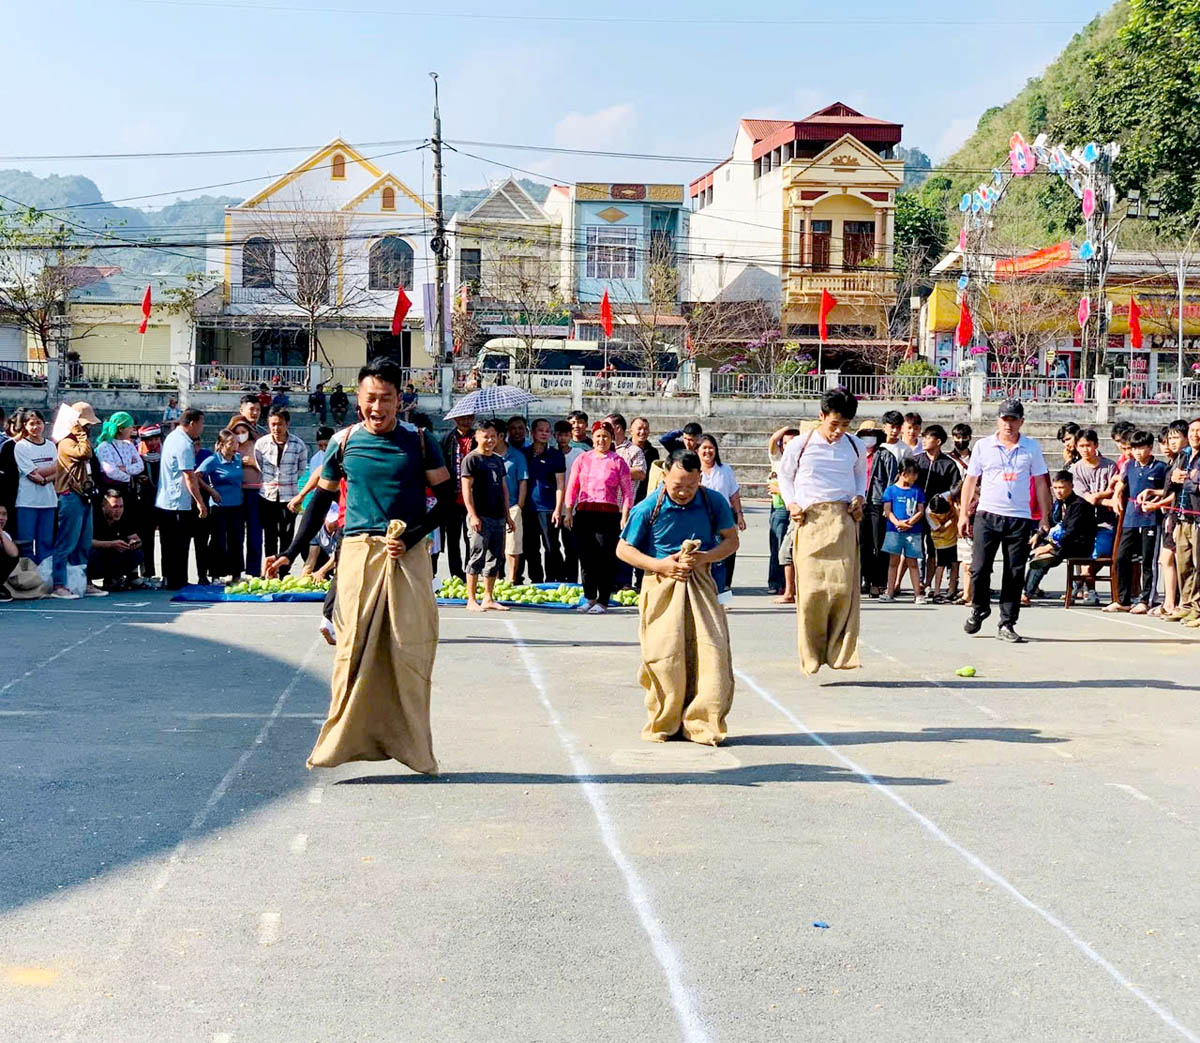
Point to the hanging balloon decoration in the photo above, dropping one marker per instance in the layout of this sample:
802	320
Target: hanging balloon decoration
1085	311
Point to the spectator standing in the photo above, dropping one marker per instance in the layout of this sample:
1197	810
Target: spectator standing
599	497
580	439
941	518
937	475
146	489
910	432
892	424
178	491
456	445
9	555
264	397
76	494
487	497
570	552
516	434
121	465
115	555
960	435
1012	468
516	473
281	458
778	582
904	507
1142	479
1174	442
1067	435
686	437
1093	478
639	432
36	501
339	405
317	404
720	478
638	473
543	514
10	477
1187	507
882	469
223	473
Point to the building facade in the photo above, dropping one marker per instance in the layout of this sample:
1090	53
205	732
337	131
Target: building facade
799	207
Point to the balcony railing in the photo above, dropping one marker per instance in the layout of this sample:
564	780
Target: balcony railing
22	374
899	388
767	385
425	381
217	377
119	375
808	283
1045	389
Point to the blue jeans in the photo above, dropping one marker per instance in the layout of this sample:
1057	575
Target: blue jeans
779	526
35	530
74	539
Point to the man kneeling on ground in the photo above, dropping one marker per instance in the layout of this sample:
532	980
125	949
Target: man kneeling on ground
674	536
116	553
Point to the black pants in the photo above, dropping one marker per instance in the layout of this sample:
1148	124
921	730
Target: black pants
7	564
228	528
454	535
279	527
541	548
175	530
109	565
872	530
570	554
1136	544
995	532
596	535
148	519
331	593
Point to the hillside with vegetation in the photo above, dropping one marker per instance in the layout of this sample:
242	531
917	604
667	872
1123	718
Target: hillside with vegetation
1132	75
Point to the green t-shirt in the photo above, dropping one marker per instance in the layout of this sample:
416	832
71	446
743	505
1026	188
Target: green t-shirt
385	477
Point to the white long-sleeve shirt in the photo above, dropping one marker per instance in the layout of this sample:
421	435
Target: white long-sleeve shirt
120	460
815	470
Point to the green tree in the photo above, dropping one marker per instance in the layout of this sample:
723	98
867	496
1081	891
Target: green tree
921	228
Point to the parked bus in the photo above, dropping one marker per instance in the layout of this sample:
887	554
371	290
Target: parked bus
604	372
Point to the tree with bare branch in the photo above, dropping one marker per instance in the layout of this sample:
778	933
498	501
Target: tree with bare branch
299	260
646	334
39	270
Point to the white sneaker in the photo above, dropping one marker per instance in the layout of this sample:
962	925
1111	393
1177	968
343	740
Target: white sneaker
920	599
585	606
326	631
597	610
886	597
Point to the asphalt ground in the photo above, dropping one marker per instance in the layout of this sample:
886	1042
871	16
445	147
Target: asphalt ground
1008	857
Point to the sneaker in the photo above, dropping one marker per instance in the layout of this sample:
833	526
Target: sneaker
1091	598
95	592
887	597
1006	633
584	606
326	631
975	620
920	599
63	594
597	609
5	595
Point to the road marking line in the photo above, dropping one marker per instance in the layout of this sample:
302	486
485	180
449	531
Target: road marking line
268	928
59	654
299	844
639	896
316	795
977	863
201	816
1133	791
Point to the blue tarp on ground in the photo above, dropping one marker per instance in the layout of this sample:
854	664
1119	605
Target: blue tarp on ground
216	592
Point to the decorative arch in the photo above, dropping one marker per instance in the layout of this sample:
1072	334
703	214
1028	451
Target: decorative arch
258	263
390	264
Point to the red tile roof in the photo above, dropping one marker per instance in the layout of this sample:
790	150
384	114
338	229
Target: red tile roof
827	124
759	129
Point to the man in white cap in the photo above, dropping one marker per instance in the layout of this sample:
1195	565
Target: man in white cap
1013	471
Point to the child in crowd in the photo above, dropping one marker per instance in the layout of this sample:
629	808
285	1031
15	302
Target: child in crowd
1072	533
1067	435
892	422
942	516
960	435
910	433
904	506
1143	479
1173	440
485	493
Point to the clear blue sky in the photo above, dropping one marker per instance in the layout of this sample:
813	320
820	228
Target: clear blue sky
168	75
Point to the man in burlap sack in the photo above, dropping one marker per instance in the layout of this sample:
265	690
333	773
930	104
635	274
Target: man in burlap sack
385	616
823	481
674	536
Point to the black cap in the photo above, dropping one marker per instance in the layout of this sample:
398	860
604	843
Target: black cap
1011	407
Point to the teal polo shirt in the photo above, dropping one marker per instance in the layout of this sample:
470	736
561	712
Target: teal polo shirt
678	522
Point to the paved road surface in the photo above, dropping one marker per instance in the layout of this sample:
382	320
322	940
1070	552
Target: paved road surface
1012	857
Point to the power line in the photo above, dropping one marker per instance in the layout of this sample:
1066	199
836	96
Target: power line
200	153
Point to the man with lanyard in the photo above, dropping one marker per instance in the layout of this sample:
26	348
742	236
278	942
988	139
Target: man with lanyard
458	442
674	536
823	481
1011	466
385	615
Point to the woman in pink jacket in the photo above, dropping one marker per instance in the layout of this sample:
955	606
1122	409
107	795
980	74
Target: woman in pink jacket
599	495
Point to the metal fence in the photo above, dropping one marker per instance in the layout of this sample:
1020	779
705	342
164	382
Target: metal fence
214	376
767	385
22	374
1041	389
426	380
156	375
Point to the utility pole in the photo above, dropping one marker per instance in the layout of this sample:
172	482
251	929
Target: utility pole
438	243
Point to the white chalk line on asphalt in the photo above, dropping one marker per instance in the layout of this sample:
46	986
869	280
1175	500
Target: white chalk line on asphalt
976	862
639	896
201	817
59	654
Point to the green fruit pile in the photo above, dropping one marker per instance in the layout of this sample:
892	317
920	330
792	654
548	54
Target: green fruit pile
628	598
290	585
525	594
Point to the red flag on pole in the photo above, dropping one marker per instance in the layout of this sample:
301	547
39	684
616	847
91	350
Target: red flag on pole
828	303
966	328
1135	322
402	306
145	309
606	315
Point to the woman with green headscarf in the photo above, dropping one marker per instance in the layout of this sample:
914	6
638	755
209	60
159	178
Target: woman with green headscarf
121	465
